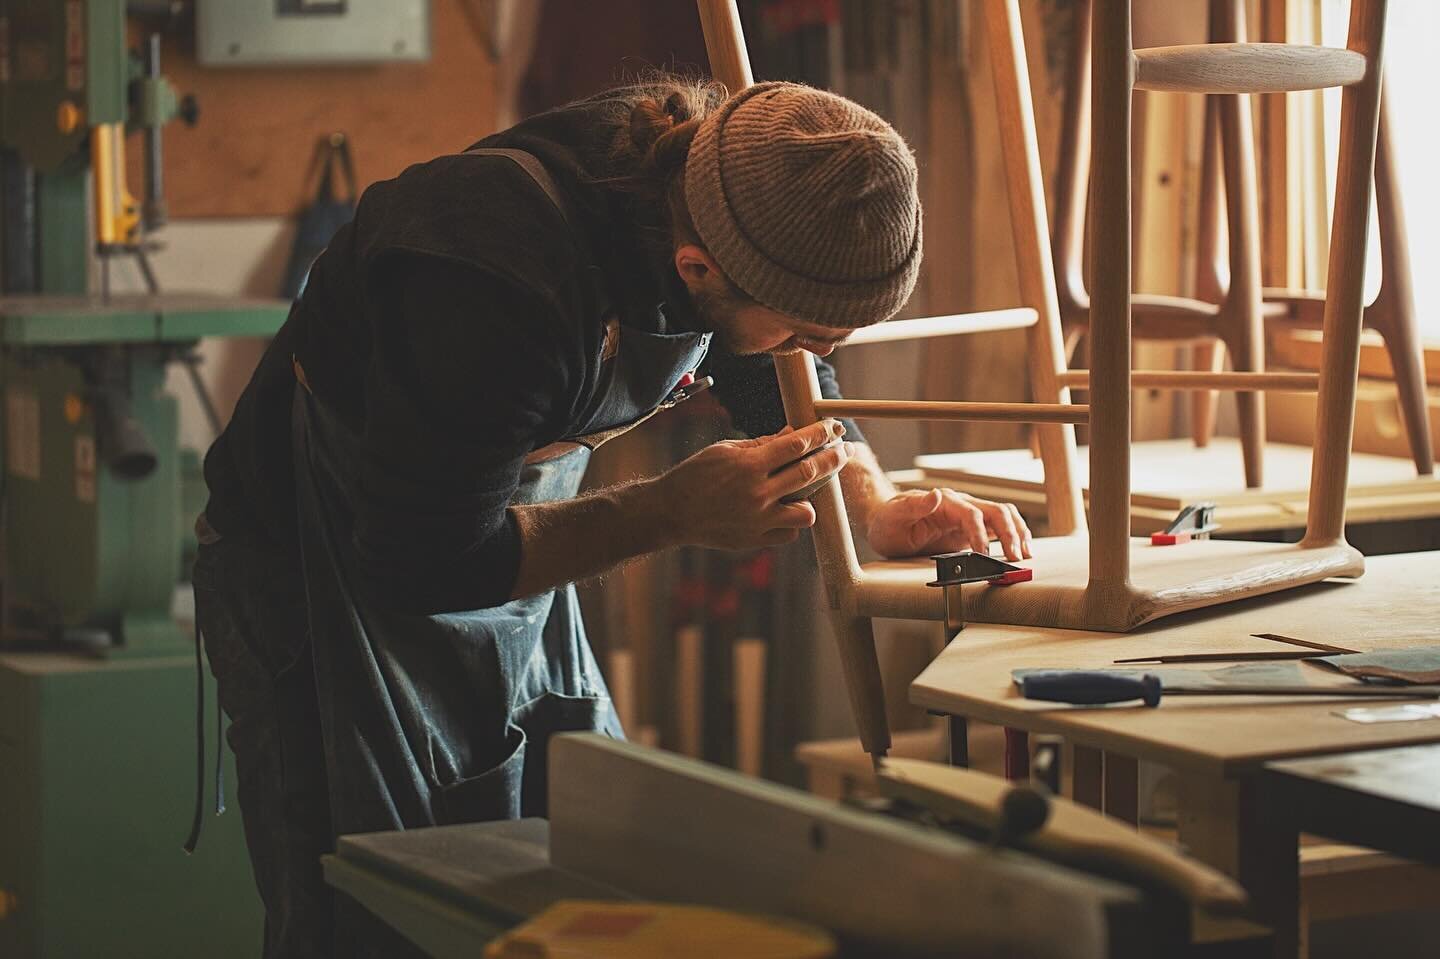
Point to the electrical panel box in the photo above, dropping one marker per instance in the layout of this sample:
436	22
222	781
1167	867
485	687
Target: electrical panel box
314	32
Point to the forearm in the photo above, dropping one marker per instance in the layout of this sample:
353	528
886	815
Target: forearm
573	539
865	485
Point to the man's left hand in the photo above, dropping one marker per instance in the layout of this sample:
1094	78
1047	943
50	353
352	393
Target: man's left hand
926	522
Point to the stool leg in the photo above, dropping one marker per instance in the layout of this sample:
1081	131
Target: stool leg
1240	315
1393	312
1212	273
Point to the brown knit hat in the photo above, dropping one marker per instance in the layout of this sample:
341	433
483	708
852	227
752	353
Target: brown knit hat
808	203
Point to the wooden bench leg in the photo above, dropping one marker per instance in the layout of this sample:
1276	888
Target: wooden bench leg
959	741
1122	788
1088	786
1242	830
1017	754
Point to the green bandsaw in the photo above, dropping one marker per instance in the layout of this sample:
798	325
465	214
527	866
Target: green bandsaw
97	753
96	522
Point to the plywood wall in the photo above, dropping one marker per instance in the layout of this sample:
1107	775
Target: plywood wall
258	126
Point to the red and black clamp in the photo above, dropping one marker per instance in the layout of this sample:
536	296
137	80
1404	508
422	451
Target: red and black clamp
1196	521
953	571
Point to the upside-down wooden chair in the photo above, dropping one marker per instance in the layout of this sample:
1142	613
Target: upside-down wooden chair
1104	581
1227	312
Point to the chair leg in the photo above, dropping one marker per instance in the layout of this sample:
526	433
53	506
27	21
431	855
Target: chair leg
1393	312
1404	348
1248	351
1241	323
855	638
1209	357
1344	284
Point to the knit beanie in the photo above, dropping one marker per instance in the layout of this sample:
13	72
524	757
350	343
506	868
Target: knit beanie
808	203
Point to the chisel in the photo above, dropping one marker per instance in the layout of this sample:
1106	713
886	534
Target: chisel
1081	687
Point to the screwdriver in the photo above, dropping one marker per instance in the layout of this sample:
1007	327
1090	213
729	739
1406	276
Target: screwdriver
1082	687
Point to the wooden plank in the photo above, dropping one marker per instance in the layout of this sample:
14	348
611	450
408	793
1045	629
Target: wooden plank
776	850
972	676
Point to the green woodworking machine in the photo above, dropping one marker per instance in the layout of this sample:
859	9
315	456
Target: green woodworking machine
95	521
97	752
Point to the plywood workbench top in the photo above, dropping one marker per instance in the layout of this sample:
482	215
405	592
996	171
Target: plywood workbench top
1396	604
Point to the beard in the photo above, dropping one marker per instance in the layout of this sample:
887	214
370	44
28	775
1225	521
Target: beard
720	314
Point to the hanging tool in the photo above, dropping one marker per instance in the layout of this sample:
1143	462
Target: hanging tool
1196	521
1088	687
954	570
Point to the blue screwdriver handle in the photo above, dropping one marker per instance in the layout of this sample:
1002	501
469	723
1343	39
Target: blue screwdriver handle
1090	687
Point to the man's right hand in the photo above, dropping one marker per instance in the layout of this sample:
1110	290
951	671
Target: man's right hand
727	496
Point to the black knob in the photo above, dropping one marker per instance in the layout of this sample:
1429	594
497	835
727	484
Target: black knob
1022	811
189	109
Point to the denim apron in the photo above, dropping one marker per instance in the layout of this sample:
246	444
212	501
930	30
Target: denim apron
445	718
349	717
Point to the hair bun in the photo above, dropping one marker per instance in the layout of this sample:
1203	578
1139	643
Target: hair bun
677	107
649	121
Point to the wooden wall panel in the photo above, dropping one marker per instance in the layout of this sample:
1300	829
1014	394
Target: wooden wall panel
258	126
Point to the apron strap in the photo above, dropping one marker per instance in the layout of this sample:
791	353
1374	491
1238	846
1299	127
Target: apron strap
536	171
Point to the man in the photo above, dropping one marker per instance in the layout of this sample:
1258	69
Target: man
383	582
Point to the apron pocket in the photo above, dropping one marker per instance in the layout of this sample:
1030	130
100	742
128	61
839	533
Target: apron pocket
542	718
493	794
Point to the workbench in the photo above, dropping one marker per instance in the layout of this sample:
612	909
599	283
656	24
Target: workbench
1230	815
1168	475
631	822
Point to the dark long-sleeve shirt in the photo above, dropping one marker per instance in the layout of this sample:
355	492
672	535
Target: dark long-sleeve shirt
452	369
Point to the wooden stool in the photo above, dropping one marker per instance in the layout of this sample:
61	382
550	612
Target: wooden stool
1227	306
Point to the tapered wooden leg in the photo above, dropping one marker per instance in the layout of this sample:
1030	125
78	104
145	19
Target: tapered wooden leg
1242	326
1393	312
855	638
1110	321
1345	283
1209	357
1247	349
1404	347
1212	273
